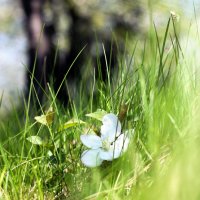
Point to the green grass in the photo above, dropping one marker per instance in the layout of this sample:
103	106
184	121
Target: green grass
157	84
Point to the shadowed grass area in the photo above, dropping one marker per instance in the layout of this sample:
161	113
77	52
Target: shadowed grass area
155	93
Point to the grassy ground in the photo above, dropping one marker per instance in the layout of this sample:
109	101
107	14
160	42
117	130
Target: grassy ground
158	86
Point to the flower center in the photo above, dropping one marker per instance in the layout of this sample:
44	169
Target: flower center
106	145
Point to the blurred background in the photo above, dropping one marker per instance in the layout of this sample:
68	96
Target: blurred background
13	40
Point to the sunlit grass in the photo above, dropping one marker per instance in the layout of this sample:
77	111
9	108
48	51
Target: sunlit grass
159	90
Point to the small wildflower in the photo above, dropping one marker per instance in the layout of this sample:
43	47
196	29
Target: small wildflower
108	146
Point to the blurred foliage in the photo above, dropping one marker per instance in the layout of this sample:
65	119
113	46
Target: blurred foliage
100	17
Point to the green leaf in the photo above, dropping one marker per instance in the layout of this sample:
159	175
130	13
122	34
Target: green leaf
47	118
72	123
41	119
35	140
97	115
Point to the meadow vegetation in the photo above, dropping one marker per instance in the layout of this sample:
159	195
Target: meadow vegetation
155	92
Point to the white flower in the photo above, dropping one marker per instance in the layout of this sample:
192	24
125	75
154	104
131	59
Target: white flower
110	145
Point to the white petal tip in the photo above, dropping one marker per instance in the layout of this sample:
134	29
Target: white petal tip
90	158
91	141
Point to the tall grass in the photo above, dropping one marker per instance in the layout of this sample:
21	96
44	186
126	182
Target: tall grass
157	87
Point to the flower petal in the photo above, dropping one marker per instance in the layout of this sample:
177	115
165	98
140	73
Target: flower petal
120	145
116	149
111	127
91	141
90	158
106	155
